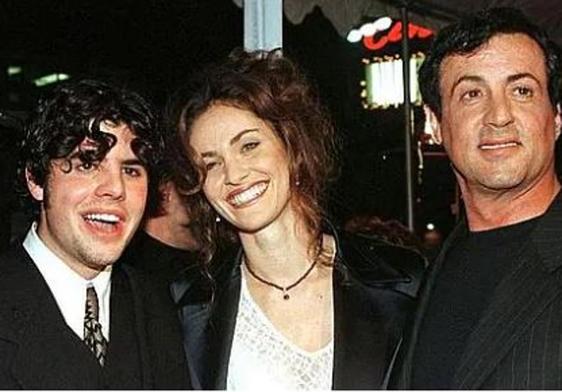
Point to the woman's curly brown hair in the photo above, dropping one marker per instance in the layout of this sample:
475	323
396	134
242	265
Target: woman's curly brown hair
271	87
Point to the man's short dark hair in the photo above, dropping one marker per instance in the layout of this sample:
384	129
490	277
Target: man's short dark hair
74	112
469	34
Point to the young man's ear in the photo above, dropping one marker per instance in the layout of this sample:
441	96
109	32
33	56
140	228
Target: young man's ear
37	191
432	124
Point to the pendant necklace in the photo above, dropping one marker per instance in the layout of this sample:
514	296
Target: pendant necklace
285	289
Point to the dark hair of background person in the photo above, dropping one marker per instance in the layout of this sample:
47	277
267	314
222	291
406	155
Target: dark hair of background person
470	34
72	113
391	231
276	91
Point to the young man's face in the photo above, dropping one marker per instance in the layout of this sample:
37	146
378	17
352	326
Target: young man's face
89	214
498	124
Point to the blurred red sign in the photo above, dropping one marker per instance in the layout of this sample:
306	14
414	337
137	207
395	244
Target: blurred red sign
394	34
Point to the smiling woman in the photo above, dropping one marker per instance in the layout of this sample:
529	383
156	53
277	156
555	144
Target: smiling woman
298	305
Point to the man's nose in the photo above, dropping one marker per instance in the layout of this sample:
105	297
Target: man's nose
110	184
499	113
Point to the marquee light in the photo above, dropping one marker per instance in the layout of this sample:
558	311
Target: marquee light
383	84
49	79
378	41
14	70
369	29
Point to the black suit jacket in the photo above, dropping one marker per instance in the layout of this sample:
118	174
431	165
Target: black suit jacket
374	288
39	351
517	344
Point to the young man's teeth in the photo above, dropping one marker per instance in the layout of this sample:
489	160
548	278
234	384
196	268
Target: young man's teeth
105	218
249	194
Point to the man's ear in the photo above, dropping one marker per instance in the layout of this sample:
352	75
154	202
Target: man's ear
164	194
432	125
557	122
36	190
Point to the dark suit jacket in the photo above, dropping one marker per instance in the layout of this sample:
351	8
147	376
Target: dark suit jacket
517	344
39	351
374	288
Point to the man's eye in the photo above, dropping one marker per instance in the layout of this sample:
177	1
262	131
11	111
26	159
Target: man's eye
86	166
470	95
249	146
523	91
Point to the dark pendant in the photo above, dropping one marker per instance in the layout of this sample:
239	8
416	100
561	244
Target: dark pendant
286	296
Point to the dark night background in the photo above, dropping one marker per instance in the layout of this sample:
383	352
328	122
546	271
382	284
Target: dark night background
152	45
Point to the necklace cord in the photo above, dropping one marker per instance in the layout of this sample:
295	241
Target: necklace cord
274	285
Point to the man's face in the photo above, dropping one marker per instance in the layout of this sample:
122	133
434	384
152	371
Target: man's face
498	125
90	213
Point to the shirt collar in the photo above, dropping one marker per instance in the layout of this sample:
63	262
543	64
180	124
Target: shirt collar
67	286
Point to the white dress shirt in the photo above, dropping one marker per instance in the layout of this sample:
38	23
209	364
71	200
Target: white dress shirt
67	286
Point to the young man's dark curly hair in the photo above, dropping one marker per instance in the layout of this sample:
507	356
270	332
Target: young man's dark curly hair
72	113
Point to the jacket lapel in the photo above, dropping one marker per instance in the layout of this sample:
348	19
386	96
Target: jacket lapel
208	324
367	337
361	340
220	333
32	321
517	302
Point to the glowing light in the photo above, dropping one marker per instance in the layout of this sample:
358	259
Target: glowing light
384	83
379	41
430	226
382	24
49	79
354	36
368	29
14	70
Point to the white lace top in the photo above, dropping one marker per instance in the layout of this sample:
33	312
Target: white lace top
263	359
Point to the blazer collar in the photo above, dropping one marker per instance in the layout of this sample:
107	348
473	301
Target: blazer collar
546	235
29	316
519	298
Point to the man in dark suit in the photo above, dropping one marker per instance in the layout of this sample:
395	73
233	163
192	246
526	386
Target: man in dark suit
70	318
490	316
166	245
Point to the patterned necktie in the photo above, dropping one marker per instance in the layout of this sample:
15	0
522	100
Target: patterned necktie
93	336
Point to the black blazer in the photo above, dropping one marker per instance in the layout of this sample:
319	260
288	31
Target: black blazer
374	288
39	351
517	344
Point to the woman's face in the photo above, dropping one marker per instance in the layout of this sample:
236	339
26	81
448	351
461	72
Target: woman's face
248	180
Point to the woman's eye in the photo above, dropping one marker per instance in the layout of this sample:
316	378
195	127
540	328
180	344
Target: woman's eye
249	146
210	165
133	171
